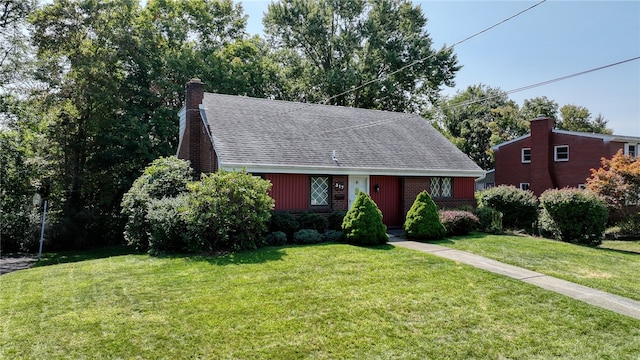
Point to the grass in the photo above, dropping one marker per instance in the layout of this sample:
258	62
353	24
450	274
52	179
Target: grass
326	301
612	267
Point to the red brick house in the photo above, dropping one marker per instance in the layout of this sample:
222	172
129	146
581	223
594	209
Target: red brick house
318	157
548	158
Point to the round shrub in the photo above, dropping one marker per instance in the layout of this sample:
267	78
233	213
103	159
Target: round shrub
313	221
362	225
168	226
335	220
164	177
490	220
458	222
423	220
573	215
276	238
228	211
285	222
307	236
333	236
519	207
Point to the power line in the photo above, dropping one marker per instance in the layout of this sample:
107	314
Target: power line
538	84
419	60
434	54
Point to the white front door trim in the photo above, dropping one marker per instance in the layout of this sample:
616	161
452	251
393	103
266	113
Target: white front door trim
357	183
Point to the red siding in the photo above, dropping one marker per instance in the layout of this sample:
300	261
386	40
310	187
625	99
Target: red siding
388	198
290	191
463	188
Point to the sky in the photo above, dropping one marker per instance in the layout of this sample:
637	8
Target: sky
552	40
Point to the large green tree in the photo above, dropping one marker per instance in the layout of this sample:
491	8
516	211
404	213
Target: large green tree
115	73
539	106
578	118
374	55
478	118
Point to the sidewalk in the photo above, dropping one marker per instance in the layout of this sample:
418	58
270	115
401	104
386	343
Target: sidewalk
619	304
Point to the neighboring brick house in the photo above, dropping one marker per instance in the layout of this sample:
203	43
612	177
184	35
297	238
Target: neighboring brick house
318	157
548	158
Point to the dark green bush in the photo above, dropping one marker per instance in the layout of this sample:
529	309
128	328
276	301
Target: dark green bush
285	222
362	225
335	220
164	177
573	215
276	238
630	225
307	236
228	211
490	220
458	222
333	236
423	220
168	226
313	221
519	208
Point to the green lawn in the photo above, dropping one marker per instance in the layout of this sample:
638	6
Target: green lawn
612	267
326	301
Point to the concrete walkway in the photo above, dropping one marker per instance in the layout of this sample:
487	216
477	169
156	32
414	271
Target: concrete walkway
619	304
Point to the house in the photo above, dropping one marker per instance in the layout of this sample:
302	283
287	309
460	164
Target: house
487	181
318	157
548	158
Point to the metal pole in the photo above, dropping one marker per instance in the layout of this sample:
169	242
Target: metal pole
44	218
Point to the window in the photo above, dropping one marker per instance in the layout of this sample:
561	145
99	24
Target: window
319	190
525	186
631	149
441	187
561	153
526	155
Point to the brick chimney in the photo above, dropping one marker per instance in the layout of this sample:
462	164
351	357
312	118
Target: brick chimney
541	154
193	126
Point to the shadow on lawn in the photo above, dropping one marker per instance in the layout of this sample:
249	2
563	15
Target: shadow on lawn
83	255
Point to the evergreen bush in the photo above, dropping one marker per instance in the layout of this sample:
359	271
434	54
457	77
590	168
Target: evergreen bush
490	220
333	236
285	222
307	236
313	221
519	207
458	222
276	238
573	215
362	225
423	220
335	220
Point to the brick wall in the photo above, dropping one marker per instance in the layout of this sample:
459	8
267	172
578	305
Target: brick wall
340	197
411	188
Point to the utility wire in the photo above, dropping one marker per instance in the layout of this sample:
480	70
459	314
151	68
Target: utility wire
527	87
419	60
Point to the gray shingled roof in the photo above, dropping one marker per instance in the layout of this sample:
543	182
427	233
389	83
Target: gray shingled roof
265	135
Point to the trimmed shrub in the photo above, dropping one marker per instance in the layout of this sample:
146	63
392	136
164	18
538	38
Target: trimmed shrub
458	222
519	207
573	215
307	236
164	177
313	221
490	220
285	222
335	220
362	225
228	211
168	225
423	220
333	236
276	238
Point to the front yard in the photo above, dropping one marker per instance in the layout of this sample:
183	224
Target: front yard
324	301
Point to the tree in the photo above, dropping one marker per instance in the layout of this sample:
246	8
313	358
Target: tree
423	219
362	225
535	107
14	46
617	181
578	118
329	50
478	118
